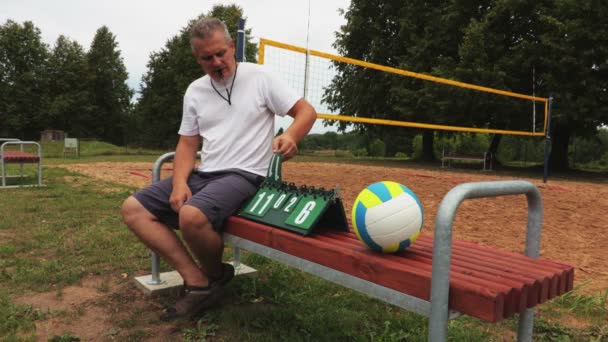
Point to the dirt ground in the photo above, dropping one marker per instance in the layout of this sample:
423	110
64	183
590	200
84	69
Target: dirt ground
574	217
575	223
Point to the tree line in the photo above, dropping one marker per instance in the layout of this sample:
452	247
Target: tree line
84	92
584	152
61	87
542	47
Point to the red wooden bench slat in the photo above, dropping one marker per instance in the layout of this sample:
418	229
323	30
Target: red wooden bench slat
412	277
541	276
19	157
556	278
527	266
568	283
517	298
515	292
539	283
501	264
486	283
563	274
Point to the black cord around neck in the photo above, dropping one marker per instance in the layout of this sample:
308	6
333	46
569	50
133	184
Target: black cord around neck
228	92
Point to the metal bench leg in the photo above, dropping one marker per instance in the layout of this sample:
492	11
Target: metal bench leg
155	274
40	172
442	247
526	326
236	252
3	174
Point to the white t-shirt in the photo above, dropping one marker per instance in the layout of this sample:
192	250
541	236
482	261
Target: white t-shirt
237	136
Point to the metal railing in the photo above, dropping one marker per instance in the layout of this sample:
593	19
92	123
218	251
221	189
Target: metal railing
3	160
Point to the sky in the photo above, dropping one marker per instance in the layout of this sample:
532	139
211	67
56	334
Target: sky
142	27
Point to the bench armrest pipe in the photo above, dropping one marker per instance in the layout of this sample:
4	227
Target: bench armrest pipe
20	143
442	247
155	274
158	164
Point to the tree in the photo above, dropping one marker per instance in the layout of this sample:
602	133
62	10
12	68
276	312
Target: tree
564	43
69	108
493	43
110	95
576	45
23	81
170	71
421	36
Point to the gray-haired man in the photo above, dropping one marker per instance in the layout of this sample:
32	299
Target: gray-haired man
231	112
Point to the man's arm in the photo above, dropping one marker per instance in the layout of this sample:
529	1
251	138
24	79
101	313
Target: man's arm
304	116
183	164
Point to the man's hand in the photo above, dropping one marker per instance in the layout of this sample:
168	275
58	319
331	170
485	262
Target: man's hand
285	145
185	154
304	117
180	194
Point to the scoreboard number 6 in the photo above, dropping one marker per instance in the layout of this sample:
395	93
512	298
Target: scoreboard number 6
303	215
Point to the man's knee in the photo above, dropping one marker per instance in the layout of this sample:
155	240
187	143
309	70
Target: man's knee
130	210
192	219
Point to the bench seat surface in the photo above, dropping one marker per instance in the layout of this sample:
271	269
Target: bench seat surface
19	157
485	282
463	157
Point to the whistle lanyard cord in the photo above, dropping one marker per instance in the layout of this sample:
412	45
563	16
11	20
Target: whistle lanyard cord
228	92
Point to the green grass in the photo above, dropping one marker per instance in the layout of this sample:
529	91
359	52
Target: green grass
56	236
57	232
54	149
90	152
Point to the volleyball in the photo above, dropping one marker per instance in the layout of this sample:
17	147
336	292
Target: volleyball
387	216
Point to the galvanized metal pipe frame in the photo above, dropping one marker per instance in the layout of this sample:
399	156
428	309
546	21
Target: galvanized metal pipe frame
388	295
374	290
442	247
3	172
483	159
21	143
156	169
437	309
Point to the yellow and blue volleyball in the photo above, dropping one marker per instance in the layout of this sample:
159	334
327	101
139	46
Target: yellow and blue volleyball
387	216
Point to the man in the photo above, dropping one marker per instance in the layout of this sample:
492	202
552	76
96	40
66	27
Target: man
231	112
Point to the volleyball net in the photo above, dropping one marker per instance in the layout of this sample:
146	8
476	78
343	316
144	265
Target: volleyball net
311	72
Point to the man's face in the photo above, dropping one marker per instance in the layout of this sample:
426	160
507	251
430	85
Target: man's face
215	55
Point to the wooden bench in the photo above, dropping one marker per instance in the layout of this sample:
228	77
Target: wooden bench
437	277
485	159
19	156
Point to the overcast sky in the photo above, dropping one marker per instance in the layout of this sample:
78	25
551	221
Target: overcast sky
142	27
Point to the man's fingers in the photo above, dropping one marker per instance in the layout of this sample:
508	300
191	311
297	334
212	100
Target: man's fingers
285	146
176	205
178	198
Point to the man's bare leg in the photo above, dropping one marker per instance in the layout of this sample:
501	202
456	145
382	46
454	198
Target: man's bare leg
162	240
205	243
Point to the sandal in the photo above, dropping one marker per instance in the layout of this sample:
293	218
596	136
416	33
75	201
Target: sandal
227	275
195	300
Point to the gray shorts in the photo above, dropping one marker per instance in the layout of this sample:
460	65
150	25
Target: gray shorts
217	194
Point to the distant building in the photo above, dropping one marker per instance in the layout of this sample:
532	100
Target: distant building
52	135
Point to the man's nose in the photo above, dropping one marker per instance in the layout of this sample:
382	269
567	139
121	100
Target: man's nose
216	61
